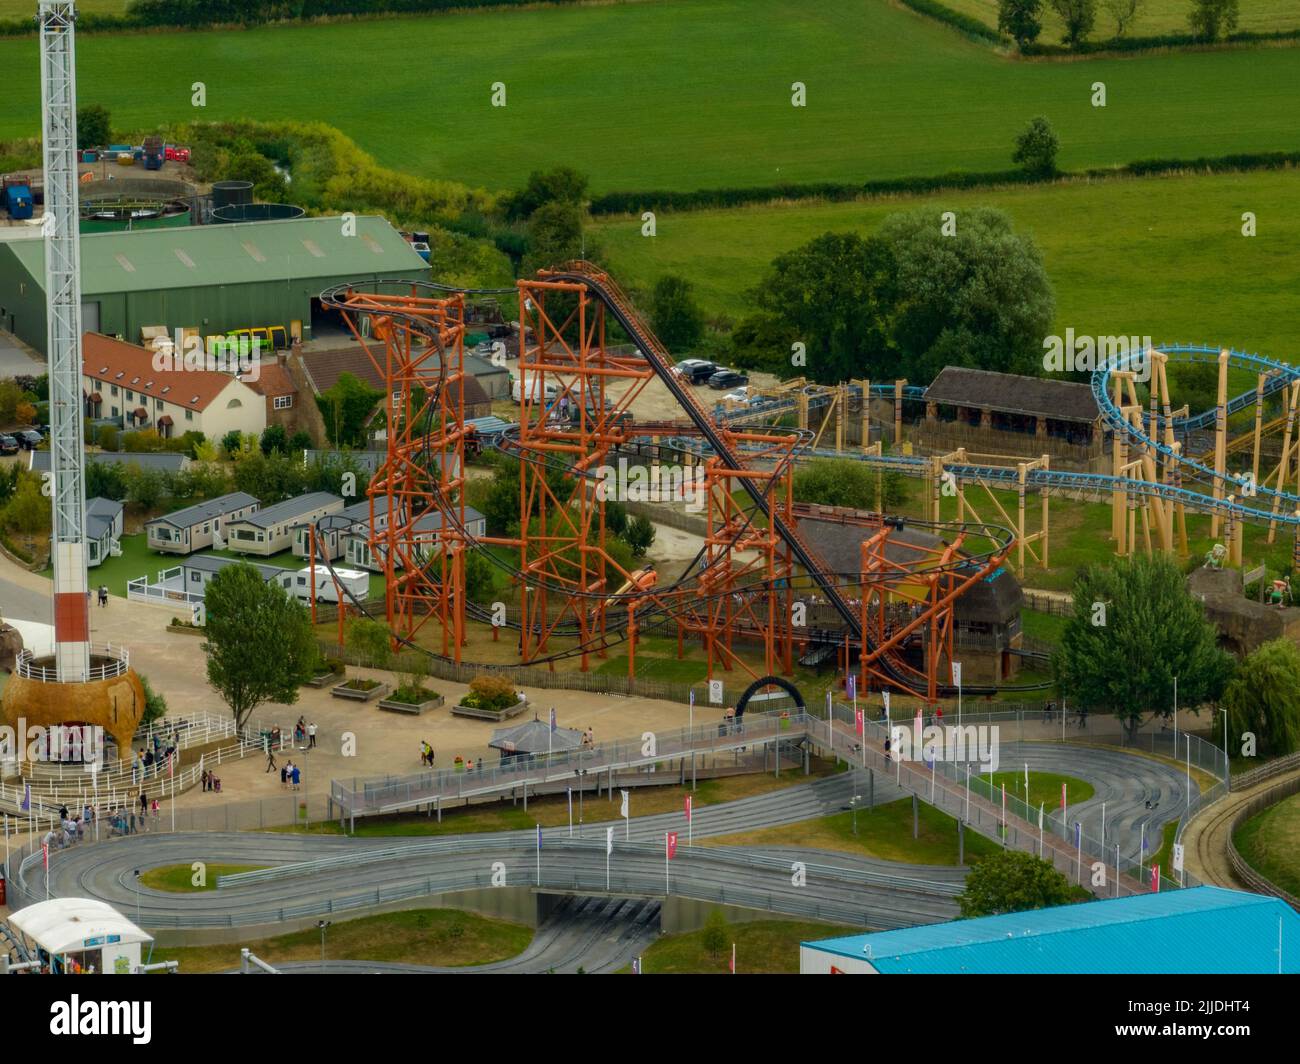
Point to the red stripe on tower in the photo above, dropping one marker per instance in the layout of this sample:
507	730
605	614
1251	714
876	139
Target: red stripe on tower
71	618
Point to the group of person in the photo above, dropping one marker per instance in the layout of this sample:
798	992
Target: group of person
426	753
149	760
209	781
290	775
304	734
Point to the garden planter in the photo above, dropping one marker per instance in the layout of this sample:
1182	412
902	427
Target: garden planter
357	695
415	708
497	715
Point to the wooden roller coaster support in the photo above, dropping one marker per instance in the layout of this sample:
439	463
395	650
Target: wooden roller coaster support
1119	458
1155	510
865	413
801	408
1259	424
1171	470
1284	462
1234	534
1220	439
841	411
1025	539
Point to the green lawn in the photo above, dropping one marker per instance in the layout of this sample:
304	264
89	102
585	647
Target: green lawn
681	93
1044	788
1131	257
180	878
25	9
1270	843
884	832
764	947
1157	17
442	937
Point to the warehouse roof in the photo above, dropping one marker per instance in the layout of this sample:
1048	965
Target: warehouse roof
143	260
206	511
287	510
1192	931
1013	394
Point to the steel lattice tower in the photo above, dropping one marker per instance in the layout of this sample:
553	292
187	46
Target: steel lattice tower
63	316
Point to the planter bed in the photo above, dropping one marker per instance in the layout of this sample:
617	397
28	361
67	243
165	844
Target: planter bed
497	715
414	708
344	691
323	680
185	629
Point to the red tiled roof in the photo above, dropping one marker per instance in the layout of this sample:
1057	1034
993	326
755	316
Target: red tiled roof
111	361
325	367
272	380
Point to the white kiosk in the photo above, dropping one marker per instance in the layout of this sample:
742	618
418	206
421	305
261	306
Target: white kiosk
80	935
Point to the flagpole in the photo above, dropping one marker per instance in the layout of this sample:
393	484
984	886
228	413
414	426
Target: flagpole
539	855
668	889
570	790
967	792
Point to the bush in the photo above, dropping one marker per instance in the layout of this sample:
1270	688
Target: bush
490	692
1036	148
412	693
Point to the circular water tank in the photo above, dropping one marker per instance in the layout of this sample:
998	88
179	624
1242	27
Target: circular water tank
225	193
256	212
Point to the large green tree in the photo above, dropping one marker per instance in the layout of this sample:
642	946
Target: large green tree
345	406
1264	699
676	317
259	646
1135	628
978	296
1011	882
1210	18
1036	148
94	126
1022	19
834	298
1077	17
554	236
845	482
561	185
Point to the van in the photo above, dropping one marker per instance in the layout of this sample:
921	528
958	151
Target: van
552	390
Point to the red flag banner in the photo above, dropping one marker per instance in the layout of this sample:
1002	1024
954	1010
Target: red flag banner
1062	795
672	845
858	718
688	808
1155	879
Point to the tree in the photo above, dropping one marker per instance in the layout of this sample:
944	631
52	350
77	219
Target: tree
554	237
1134	629
1124	13
978	297
155	705
639	535
231	441
270	478
1011	882
105	480
1264	698
835	298
300	441
1021	19
1209	18
268	182
107	437
260	645
25	413
274	438
10	396
1078	18
145	486
28	511
478	576
844	482
371	640
346	405
1036	148
94	126
714	936
674	314
561	185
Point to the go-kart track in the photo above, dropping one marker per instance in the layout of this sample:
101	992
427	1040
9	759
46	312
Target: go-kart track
308	876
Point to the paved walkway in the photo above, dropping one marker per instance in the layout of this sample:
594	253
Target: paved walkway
384	742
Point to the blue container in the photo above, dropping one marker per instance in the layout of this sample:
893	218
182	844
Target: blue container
89	156
18	202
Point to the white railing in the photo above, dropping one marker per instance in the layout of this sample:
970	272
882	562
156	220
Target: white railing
158	593
114	661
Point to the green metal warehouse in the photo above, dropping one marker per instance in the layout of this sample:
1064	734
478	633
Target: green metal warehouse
213	278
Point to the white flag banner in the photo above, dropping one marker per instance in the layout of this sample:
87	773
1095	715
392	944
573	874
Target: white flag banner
623	811
609	841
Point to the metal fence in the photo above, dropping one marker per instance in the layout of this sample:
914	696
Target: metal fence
1242	868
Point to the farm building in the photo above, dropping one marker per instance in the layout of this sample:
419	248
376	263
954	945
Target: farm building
161	461
211	278
269	531
196	527
1003	413
359	555
1199	930
120	382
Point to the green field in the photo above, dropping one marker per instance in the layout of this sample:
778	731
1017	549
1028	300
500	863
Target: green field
764	947
1160	257
24	9
678	94
1270	843
1157	17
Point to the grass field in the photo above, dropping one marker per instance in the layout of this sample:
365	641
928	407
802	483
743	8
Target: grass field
1125	256
680	93
764	947
443	937
24	9
1270	843
180	878
1157	17
885	832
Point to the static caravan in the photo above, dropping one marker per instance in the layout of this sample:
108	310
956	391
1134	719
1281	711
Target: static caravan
355	585
358	553
196	573
199	526
271	530
333	531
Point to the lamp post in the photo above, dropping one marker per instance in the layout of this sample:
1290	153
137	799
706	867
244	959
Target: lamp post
136	873
322	924
1227	775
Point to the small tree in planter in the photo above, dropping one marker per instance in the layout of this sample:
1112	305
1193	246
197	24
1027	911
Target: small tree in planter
490	692
411	689
371	641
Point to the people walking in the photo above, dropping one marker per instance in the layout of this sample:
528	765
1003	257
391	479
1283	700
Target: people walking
270	758
103	595
311	736
295	776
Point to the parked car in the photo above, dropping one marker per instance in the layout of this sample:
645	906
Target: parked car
8	445
727	378
695	370
30	439
740	395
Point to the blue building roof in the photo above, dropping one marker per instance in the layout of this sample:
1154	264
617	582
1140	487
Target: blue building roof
1199	930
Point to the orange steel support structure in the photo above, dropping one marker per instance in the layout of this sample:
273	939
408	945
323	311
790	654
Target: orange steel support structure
416	343
563	441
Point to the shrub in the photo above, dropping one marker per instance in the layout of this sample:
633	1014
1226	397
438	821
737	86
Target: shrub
490	692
